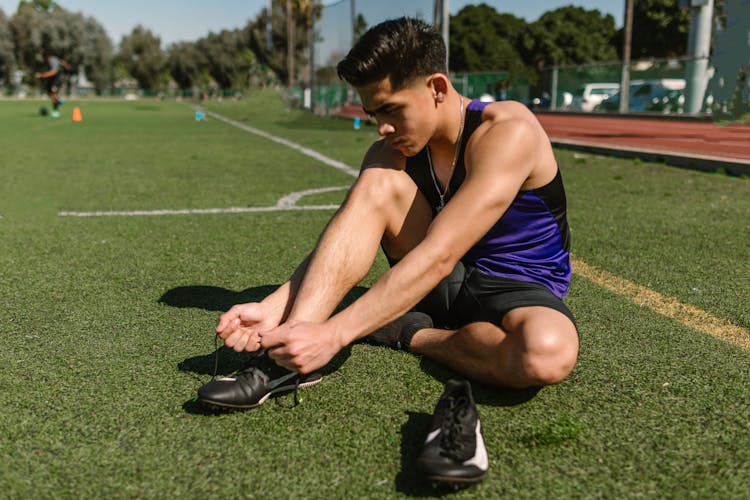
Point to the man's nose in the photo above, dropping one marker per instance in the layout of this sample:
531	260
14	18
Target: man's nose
385	129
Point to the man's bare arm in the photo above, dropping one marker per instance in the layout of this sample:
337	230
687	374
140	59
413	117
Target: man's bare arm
502	157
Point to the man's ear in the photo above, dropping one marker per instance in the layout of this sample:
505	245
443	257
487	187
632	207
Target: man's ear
439	85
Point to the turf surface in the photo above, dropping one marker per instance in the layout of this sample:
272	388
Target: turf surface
107	323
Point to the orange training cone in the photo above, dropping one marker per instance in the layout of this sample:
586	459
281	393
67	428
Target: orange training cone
77	117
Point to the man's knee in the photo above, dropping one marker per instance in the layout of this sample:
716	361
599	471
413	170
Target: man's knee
549	357
382	186
392	195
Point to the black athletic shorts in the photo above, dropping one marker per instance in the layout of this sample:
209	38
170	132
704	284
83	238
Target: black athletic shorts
53	83
467	296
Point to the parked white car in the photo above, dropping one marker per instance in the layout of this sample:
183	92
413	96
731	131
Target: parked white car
664	95
591	94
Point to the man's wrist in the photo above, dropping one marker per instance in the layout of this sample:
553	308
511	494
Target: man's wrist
343	334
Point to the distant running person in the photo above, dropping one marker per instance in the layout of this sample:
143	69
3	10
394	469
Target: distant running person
467	202
53	80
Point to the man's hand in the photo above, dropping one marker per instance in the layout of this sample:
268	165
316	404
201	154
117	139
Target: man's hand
239	327
301	347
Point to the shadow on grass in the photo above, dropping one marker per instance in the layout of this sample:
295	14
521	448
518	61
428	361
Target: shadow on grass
213	298
483	394
413	434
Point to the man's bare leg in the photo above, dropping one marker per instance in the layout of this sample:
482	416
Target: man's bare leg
383	204
536	346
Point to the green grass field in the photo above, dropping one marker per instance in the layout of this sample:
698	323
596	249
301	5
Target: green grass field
106	323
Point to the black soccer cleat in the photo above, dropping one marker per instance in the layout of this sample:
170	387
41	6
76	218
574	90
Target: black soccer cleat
453	453
254	384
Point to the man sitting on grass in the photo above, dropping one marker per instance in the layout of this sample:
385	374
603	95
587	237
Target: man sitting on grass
467	202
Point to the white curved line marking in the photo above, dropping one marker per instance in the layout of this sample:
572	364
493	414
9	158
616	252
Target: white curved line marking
288	202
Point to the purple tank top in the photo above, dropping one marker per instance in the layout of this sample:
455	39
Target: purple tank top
530	242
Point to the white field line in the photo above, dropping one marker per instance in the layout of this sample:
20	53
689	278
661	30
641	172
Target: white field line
287	202
298	147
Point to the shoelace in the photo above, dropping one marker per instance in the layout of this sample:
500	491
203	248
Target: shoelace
216	363
453	428
216	357
250	367
296	391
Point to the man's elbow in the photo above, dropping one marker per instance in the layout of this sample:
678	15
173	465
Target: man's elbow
443	264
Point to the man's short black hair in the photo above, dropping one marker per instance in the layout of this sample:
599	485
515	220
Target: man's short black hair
402	49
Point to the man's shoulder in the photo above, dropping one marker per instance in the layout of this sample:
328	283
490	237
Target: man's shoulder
507	112
510	138
507	121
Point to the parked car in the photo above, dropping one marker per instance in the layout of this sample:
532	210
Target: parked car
590	95
544	102
656	96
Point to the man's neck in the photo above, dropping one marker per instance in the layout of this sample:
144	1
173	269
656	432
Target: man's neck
444	143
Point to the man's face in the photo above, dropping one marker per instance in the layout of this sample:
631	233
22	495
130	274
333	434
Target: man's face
405	117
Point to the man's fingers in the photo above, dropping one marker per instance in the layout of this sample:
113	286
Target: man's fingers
224	321
270	339
239	315
227	325
229	341
253	344
250	342
242	341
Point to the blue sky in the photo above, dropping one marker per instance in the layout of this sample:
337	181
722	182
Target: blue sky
175	20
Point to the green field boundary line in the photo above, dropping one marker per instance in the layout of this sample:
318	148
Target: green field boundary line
688	315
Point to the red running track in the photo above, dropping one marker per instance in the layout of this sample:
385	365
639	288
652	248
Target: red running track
679	137
684	141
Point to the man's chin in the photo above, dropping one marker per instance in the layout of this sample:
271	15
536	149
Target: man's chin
406	150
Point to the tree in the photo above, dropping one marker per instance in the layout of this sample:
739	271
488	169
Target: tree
40	5
360	26
143	58
7	58
308	12
38	30
187	64
557	38
39	27
97	54
229	60
275	58
26	27
481	39
660	29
